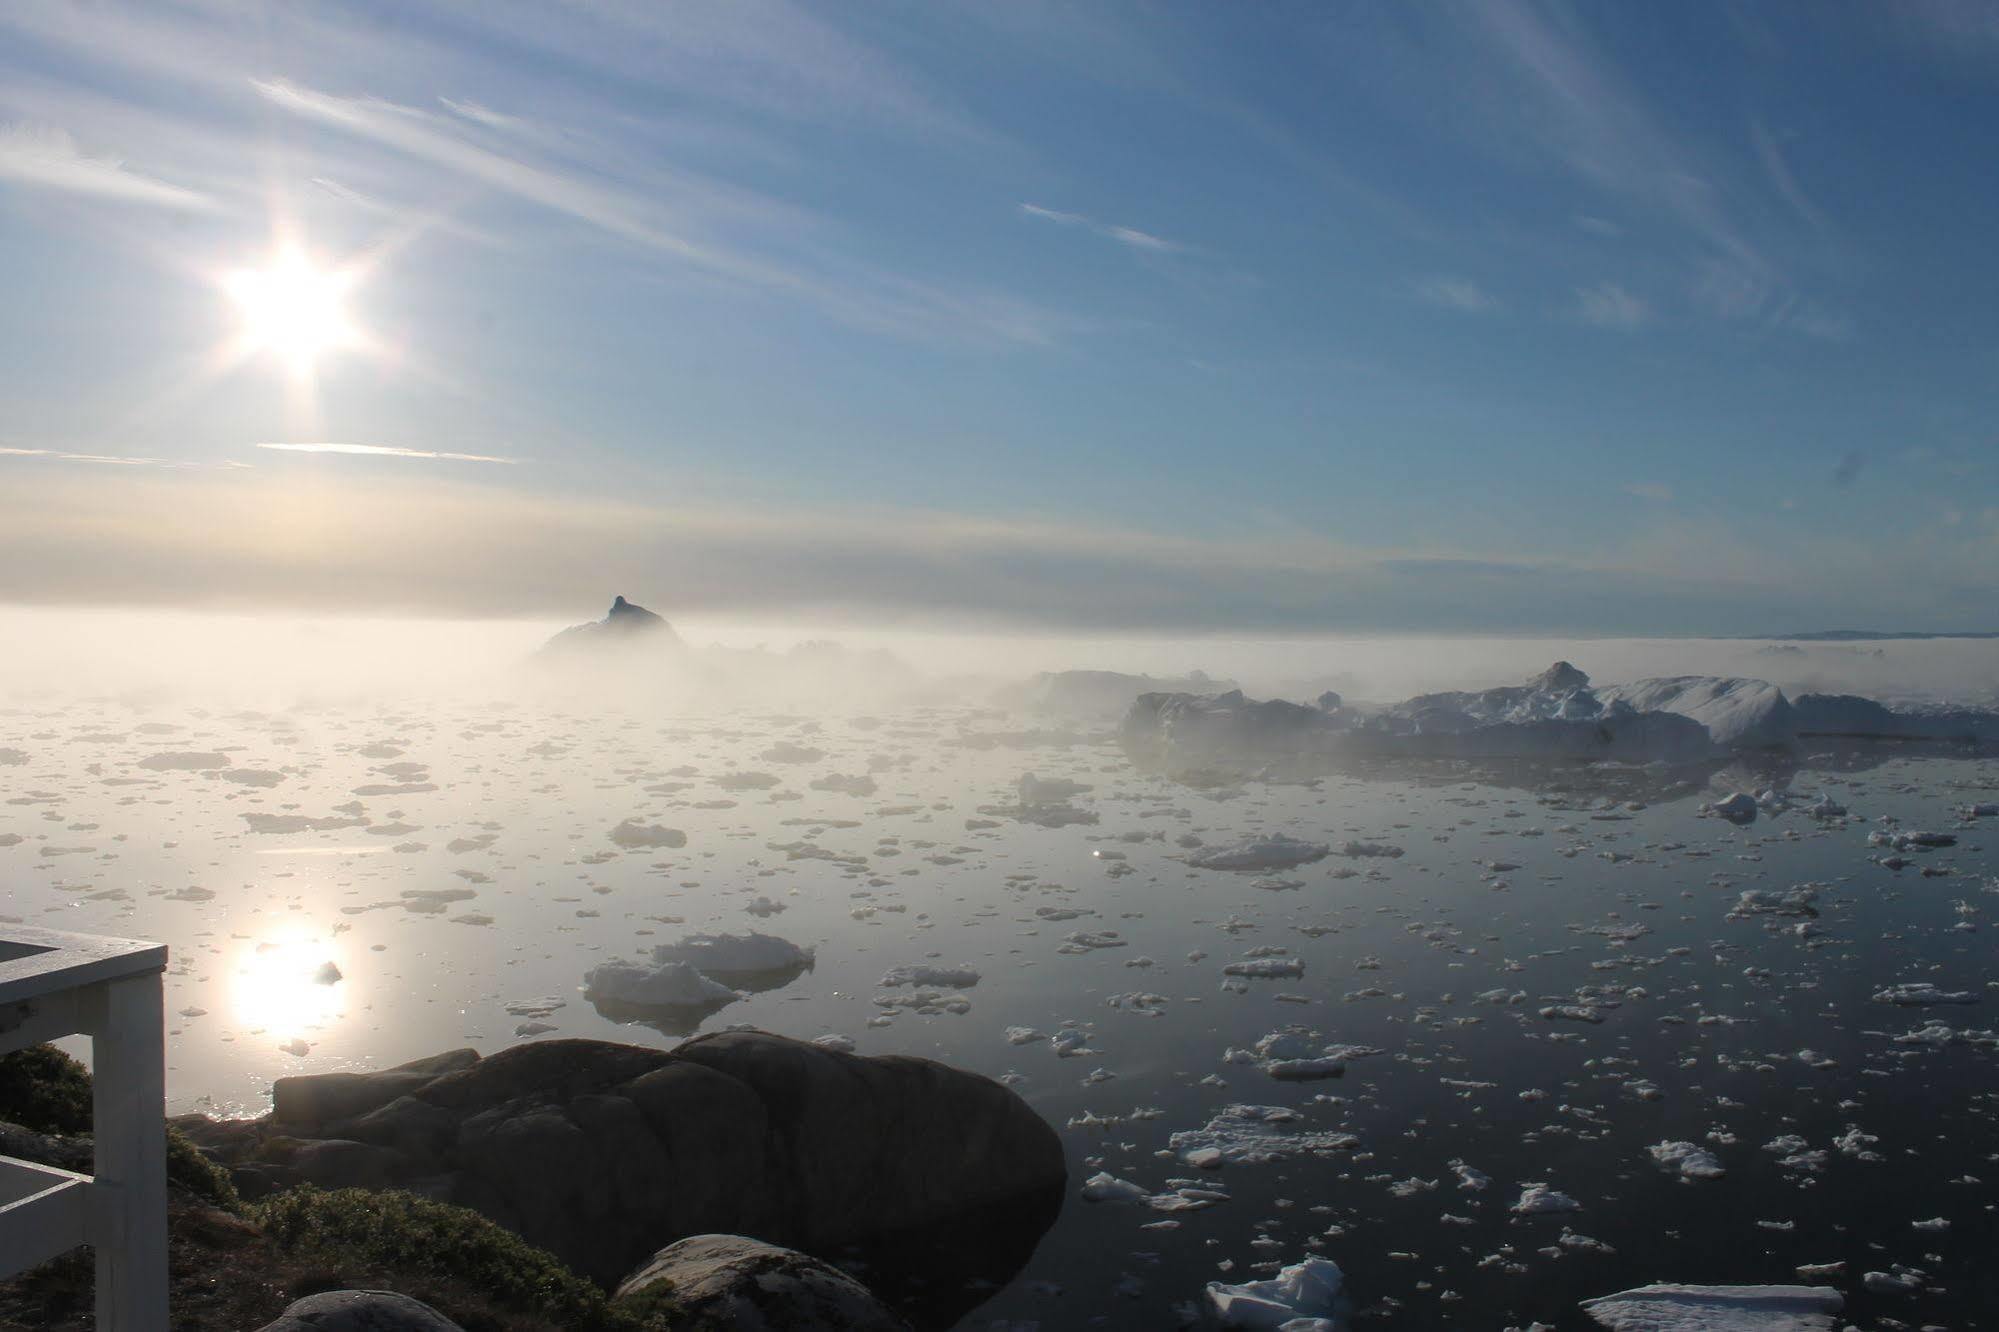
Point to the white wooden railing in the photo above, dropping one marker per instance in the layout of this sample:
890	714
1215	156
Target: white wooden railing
53	985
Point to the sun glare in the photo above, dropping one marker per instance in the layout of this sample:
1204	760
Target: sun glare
293	309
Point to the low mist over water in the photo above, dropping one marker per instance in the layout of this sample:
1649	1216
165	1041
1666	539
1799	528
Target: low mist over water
1717	1042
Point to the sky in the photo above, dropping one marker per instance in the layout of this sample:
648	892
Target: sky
1472	318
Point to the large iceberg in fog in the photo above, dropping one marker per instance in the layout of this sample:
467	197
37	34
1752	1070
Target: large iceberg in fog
1557	715
1738	713
1102	694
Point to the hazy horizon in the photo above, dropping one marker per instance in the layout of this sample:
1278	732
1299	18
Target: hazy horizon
1368	319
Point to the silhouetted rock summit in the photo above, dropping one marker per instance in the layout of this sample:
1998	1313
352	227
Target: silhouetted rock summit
625	624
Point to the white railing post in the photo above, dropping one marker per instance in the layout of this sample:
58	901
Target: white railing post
129	1225
54	984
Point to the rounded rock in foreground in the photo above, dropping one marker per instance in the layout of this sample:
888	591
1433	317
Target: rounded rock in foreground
745	1284
360	1311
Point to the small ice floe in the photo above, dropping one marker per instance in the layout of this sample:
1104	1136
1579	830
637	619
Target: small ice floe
655	985
1183	1195
1537	1199
1297	1055
835	1041
1898	1280
957	978
1670	1308
632	835
1083	941
857	784
1023	1036
1266	968
1138	1001
1254	1134
528	1029
1070	1043
1263	851
1737	808
724	956
1798	901
1922	994
1913	840
1469	1178
1687	1160
1370	851
762	907
1825	808
1304	1297
1048	791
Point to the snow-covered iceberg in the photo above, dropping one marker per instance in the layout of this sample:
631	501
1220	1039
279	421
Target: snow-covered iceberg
1558	716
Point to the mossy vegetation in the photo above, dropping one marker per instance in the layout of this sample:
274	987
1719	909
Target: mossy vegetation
476	1272
43	1089
400	1231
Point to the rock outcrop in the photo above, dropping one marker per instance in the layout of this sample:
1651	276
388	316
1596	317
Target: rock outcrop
623	627
734	1282
602	1153
360	1311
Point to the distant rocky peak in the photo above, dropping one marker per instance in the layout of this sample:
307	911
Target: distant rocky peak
1561	678
626	623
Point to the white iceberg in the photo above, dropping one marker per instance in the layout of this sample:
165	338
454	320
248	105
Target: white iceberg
1670	1308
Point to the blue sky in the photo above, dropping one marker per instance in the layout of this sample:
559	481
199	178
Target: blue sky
1207	317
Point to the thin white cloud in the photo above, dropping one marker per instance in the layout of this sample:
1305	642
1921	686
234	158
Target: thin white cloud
108	459
1607	305
387	451
1131	237
866	298
1456	294
46	158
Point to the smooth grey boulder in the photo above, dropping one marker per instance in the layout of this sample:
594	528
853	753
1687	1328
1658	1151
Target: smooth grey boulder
602	1153
735	1282
360	1311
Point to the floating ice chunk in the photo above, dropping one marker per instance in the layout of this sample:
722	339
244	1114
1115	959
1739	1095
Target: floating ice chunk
1252	1135
1105	1187
1263	851
1048	791
1922	994
1297	1298
632	834
655	985
1267	968
1737	808
1687	1160
960	978
835	1041
1470	1178
1668	1308
1023	1036
725	955
1539	1200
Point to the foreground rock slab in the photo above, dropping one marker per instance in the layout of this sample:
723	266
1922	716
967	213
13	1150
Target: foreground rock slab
602	1153
745	1284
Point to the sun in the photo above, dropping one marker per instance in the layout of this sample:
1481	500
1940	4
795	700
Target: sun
293	309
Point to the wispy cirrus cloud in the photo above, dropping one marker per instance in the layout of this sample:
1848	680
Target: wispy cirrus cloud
111	459
42	157
1456	294
863	296
388	451
1607	305
1130	237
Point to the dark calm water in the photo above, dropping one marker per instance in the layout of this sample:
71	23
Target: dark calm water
523	891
